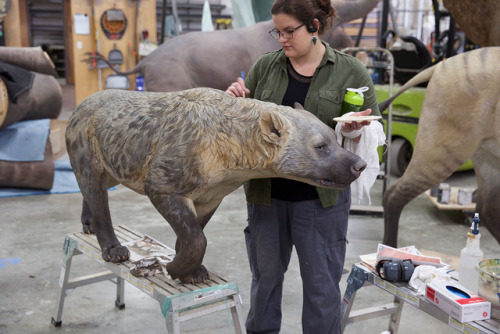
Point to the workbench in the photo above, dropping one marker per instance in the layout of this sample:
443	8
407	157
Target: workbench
361	276
178	302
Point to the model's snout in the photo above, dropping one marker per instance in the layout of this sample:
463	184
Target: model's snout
358	167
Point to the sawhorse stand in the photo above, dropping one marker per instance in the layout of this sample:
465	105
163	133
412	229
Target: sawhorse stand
357	279
179	302
361	276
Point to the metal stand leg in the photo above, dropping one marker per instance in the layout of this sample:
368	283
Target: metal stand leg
66	285
173	322
396	316
120	293
189	305
69	248
355	281
237	314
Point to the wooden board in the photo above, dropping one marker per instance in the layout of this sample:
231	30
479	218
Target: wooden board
56	136
16	24
4	102
453	205
152	285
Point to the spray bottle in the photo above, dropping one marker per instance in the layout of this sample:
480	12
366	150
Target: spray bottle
353	100
470	257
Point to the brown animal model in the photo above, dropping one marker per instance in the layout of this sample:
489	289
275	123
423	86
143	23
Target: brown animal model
186	151
479	19
460	119
214	59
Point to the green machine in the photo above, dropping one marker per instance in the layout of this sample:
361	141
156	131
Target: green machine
405	115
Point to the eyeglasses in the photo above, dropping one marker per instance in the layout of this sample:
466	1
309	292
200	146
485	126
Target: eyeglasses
287	33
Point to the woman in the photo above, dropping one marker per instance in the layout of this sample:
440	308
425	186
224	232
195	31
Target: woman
285	213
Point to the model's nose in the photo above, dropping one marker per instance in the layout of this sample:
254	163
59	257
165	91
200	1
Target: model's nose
358	167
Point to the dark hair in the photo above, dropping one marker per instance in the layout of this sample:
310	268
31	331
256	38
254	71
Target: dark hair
306	11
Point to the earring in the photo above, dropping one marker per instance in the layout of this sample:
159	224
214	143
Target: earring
314	39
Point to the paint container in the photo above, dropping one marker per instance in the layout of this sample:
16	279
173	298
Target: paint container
434	191
353	100
464	197
139	83
444	193
489	284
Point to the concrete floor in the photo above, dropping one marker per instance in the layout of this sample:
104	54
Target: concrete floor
33	229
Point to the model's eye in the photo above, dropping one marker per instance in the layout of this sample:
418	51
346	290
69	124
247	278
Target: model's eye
321	147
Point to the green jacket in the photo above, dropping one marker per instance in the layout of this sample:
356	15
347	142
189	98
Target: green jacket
267	80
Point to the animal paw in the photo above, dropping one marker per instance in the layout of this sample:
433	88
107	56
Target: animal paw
200	275
88	229
115	254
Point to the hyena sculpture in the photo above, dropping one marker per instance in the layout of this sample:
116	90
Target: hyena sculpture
186	151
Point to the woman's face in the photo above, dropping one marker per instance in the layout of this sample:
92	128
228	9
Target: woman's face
300	42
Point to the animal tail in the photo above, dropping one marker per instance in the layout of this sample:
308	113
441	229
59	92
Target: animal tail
423	76
97	56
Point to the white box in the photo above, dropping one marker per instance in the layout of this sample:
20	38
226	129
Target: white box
462	305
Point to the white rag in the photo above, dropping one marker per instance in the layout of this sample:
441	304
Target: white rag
372	136
423	275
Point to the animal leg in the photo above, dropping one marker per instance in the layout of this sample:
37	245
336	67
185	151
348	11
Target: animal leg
200	274
439	151
191	242
488	180
87	224
418	177
96	217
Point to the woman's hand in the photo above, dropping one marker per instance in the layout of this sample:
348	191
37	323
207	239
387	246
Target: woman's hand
353	126
238	89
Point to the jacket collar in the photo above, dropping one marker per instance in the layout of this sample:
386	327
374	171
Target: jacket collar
330	55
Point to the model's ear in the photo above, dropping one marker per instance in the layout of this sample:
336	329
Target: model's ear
299	106
271	126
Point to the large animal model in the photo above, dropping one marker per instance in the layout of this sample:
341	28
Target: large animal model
460	119
479	19
186	151
215	59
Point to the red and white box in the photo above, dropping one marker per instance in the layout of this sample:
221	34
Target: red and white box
457	301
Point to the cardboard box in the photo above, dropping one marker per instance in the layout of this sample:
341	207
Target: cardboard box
457	301
57	137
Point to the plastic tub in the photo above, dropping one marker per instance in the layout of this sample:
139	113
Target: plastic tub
489	284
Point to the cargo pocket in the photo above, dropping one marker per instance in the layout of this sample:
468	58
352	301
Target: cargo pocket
330	105
335	258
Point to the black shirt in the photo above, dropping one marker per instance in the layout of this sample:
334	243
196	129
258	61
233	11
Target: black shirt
285	189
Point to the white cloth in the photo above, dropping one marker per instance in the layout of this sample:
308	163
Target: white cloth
206	18
423	275
372	136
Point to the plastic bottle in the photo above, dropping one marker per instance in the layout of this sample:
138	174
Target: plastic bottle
470	257
353	100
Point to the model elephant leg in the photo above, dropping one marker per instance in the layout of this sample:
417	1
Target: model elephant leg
191	242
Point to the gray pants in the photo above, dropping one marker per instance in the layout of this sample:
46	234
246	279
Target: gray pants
319	236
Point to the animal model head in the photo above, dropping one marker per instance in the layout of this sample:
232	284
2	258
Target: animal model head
308	149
